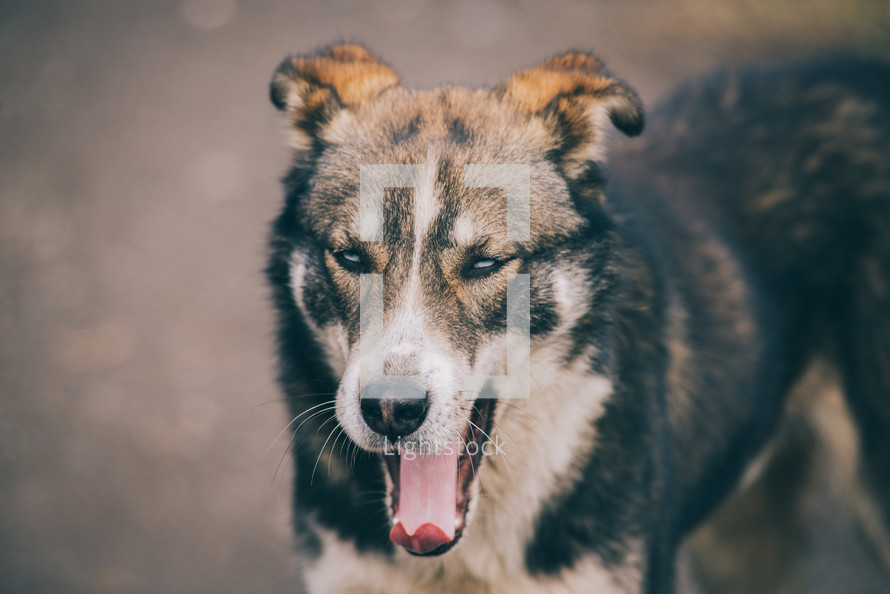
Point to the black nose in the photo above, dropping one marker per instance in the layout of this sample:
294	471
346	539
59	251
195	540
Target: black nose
394	408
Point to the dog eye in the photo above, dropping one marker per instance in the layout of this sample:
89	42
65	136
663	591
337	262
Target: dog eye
350	260
481	267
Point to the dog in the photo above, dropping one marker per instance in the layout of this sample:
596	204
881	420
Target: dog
677	287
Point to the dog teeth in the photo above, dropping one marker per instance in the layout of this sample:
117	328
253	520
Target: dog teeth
395	520
457	522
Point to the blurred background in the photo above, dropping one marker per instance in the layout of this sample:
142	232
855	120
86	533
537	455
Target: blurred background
139	159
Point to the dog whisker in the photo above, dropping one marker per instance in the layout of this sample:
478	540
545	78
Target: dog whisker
291	446
333	445
294	420
506	462
522	410
321	451
291	397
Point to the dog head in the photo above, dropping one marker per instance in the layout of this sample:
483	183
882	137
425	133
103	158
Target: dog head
423	223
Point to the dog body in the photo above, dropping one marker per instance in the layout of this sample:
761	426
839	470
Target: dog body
670	311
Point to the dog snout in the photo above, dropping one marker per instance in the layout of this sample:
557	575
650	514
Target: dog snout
394	408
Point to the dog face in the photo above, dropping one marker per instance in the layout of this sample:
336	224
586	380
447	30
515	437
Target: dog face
439	248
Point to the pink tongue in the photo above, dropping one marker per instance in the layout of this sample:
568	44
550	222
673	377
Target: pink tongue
427	499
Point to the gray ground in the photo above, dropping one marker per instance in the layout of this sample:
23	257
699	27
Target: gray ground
139	159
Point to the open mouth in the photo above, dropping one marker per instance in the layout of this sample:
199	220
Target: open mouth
432	486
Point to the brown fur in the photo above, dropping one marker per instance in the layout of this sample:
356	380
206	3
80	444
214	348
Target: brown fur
568	92
343	75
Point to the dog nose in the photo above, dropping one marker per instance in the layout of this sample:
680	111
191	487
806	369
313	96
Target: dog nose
394	408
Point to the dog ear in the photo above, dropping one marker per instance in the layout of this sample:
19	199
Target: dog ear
575	94
310	89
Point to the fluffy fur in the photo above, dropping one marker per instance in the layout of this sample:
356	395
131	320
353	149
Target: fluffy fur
742	237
